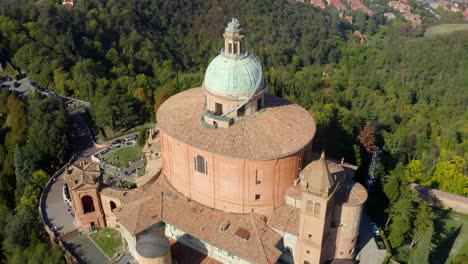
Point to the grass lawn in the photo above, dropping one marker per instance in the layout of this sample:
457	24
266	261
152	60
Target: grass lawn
106	175
101	139
141	171
108	240
444	29
456	226
122	156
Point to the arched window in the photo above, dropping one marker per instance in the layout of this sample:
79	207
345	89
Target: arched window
88	204
200	164
112	205
317	209
310	206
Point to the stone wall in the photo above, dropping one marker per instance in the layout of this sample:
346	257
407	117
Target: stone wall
442	199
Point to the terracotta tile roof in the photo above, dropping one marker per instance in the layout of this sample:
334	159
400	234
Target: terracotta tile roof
316	177
114	192
201	222
338	4
351	194
281	129
294	191
285	218
83	175
137	216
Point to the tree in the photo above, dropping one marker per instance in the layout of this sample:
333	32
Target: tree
449	176
24	168
142	136
423	222
30	197
367	138
424	248
162	94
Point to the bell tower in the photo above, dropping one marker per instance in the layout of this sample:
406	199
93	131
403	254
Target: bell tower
316	212
233	38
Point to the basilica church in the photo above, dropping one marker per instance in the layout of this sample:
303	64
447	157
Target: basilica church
232	175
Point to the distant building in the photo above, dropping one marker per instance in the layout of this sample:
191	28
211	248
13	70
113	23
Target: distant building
403	7
69	3
317	3
237	179
389	16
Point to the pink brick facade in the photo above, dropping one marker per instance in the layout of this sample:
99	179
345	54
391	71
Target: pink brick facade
231	185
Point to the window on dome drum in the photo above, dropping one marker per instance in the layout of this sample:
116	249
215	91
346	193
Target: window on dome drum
241	111
200	164
259	177
310	206
218	109
317	209
230	48
235	49
257	197
259	104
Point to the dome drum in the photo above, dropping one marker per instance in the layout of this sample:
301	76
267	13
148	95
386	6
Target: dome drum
221	112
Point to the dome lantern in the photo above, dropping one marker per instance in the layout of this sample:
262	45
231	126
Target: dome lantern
233	38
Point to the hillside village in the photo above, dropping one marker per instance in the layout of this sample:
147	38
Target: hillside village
404	7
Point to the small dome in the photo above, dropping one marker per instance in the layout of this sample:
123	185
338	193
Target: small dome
234	77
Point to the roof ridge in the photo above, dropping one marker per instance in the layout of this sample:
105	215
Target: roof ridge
259	238
137	219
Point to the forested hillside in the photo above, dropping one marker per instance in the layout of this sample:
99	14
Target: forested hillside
406	95
34	141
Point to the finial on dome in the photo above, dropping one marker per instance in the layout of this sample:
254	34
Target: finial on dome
233	26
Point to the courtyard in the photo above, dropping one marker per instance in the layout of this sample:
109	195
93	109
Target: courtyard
108	240
123	156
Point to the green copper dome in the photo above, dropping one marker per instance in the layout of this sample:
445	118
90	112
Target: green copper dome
234	73
237	77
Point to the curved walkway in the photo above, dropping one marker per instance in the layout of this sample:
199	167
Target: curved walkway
56	215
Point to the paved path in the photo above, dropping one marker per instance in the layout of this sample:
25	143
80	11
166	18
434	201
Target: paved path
26	87
57	212
368	253
87	250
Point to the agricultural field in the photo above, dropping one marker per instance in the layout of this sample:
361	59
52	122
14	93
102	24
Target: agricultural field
445	29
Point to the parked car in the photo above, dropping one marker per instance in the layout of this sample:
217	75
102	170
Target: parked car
379	242
374	229
131	137
66	195
118	142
